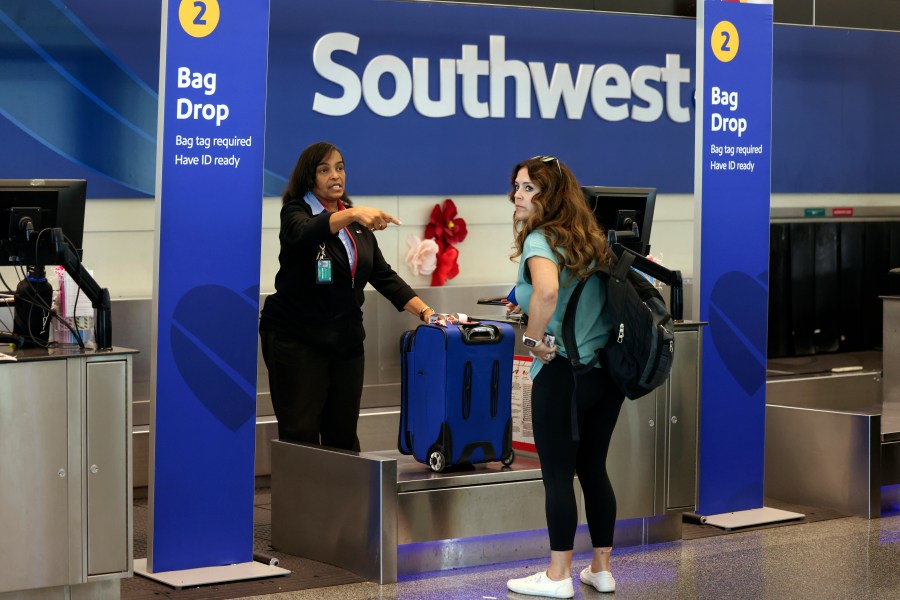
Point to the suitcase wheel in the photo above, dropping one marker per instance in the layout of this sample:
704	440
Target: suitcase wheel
509	458
436	461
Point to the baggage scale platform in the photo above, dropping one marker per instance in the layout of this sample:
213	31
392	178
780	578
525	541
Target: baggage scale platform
382	514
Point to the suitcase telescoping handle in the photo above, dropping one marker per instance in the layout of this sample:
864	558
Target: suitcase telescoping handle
479	334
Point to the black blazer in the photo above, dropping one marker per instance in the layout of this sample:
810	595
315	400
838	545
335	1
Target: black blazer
328	315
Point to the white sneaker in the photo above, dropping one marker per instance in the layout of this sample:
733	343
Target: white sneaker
541	585
602	581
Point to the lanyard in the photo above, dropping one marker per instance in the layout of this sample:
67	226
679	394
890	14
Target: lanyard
355	250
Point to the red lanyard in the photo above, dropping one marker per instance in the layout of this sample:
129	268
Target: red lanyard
355	248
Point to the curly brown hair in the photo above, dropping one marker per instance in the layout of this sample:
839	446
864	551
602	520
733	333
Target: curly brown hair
562	215
303	177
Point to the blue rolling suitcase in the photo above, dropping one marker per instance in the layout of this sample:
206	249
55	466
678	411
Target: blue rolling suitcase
456	387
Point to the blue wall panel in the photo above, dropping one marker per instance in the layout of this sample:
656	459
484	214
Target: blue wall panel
834	98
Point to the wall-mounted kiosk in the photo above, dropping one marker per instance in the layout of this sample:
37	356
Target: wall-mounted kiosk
627	212
42	223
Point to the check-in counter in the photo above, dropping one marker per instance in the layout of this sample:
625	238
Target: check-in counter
65	473
381	390
380	514
833	426
652	462
379	418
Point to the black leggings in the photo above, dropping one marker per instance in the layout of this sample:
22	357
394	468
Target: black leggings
316	397
562	457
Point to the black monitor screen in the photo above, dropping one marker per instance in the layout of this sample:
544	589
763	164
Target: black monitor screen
616	208
29	208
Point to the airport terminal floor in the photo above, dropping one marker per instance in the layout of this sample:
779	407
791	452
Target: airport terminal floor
826	555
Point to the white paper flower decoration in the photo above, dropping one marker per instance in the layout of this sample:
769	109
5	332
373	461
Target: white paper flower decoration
422	256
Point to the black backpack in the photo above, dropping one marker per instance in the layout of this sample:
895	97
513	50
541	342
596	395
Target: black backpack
638	354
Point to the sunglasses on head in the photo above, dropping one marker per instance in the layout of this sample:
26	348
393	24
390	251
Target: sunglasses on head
547	159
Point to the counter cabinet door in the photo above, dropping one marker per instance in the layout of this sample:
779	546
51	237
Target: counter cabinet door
107	467
632	459
34	477
682	419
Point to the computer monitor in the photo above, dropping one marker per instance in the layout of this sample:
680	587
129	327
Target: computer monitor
619	209
29	207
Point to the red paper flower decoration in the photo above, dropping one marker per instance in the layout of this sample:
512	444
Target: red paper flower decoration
445	228
447	267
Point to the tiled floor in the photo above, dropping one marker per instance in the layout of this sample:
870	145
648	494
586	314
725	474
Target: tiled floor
832	558
840	558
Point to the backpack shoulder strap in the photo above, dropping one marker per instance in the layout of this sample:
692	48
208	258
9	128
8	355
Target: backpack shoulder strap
568	333
623	270
622	266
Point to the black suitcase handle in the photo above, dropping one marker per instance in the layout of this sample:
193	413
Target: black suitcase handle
479	334
495	388
467	390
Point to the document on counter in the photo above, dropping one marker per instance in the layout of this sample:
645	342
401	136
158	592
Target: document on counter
7	357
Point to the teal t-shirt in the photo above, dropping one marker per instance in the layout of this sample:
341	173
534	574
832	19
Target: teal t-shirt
591	325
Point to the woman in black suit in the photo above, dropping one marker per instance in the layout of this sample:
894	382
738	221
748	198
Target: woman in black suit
311	328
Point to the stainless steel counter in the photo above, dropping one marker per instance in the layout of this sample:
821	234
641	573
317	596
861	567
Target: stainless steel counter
831	426
890	409
380	513
66	504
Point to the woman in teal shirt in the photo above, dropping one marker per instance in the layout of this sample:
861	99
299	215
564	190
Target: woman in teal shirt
558	242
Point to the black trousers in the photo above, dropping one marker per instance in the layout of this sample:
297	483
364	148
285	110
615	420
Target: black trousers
315	395
599	403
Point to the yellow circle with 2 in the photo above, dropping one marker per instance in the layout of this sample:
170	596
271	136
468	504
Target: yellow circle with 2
725	41
198	17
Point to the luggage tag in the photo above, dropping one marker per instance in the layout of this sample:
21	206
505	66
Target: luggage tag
448	319
323	266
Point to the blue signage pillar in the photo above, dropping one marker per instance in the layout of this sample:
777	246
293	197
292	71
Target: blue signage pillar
212	99
732	189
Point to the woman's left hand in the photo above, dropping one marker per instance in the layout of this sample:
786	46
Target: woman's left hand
544	353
